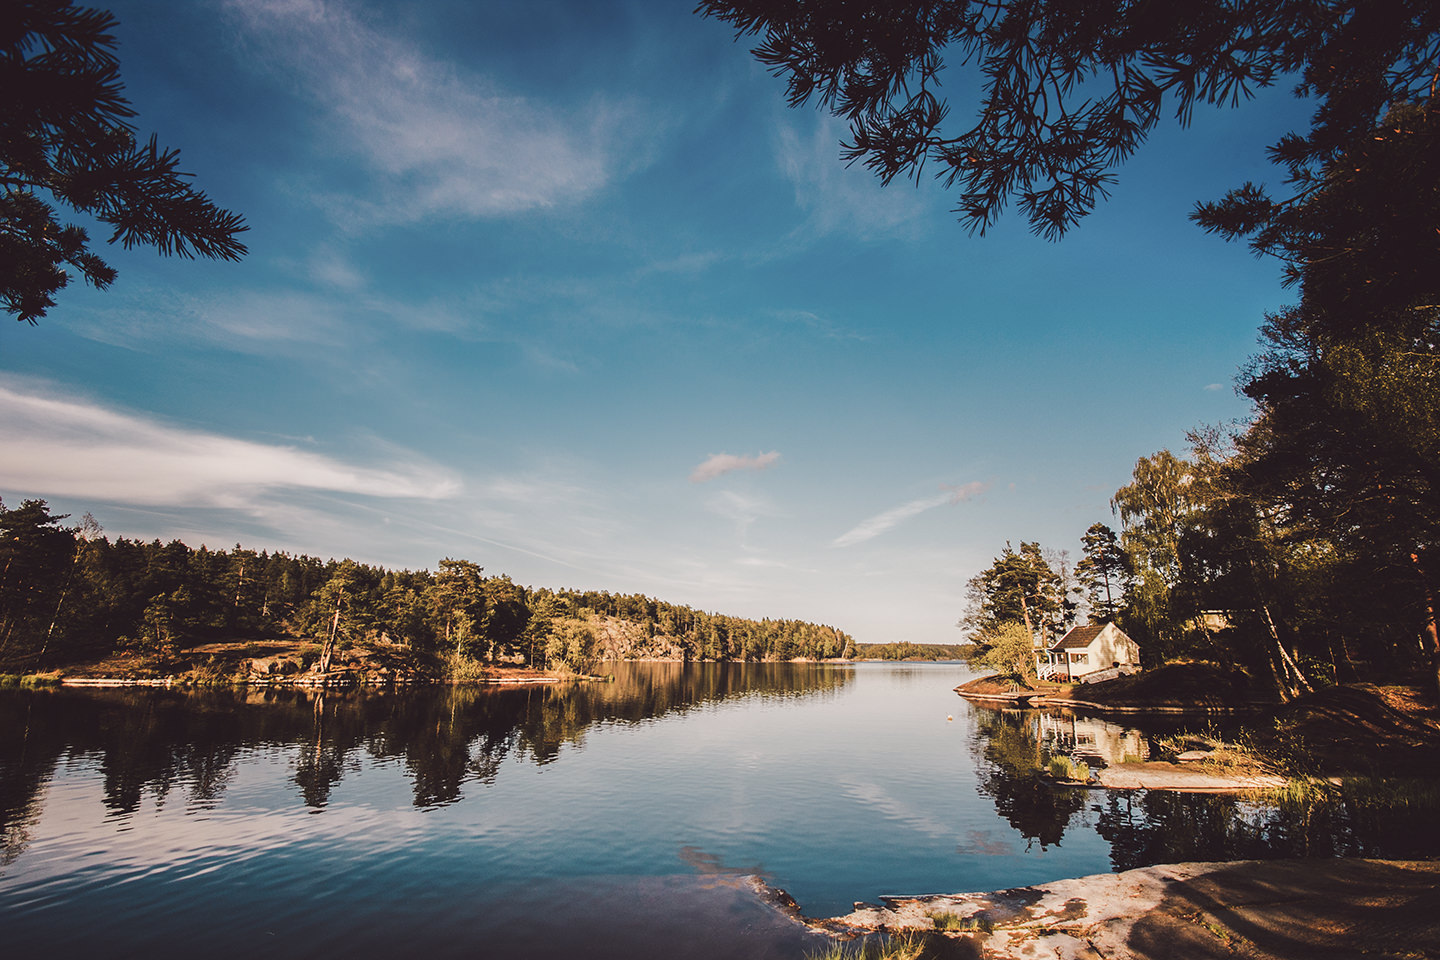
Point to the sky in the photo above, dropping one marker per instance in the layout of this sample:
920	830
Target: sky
565	289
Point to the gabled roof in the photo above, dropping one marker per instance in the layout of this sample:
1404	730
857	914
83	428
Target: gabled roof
1079	637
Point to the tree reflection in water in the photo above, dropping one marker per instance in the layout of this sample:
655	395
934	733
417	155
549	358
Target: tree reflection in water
1149	827
1144	828
321	762
149	741
1011	759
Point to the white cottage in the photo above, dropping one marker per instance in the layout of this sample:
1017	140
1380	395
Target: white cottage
1084	652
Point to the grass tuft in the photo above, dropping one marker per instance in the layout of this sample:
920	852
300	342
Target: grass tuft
898	947
1065	768
1375	793
949	922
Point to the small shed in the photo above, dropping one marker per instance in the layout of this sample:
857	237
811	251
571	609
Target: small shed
1096	651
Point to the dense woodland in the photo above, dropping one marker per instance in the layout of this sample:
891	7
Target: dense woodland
913	651
70	595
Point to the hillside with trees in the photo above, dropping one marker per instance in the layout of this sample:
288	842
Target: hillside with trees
904	650
70	595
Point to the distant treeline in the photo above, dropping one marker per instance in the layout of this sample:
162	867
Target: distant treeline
914	651
70	595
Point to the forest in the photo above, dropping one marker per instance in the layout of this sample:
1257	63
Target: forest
904	650
70	595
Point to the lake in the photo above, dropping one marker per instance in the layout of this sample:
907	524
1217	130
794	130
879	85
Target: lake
597	819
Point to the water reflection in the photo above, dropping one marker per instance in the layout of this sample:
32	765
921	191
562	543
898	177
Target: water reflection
1090	739
1145	828
1011	758
151	741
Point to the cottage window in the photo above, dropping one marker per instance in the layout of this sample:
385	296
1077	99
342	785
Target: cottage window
1080	658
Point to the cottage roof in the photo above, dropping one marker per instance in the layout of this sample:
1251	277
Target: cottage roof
1078	638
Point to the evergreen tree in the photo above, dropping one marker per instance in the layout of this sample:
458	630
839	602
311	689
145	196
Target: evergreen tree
1021	587
1104	572
1068	91
65	136
36	561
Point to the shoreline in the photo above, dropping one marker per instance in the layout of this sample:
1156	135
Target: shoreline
1125	696
1264	908
1355	730
1041	701
347	678
330	683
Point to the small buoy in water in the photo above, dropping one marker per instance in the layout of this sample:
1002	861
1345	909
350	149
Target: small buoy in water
948	718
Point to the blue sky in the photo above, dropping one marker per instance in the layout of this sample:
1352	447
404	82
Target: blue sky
565	289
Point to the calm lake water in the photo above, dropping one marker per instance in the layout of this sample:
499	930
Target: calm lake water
596	820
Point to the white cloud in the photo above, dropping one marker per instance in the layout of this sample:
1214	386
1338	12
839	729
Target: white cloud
882	522
722	463
60	446
327	268
445	142
837	197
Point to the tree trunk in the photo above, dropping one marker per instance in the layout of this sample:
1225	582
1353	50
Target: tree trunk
1431	631
1287	673
45	645
329	648
1025	612
1340	659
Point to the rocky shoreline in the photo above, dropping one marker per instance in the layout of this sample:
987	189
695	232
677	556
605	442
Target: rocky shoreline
1280	909
307	681
1179	690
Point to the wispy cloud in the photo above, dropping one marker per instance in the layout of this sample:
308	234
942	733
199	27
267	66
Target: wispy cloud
743	510
837	198
61	446
882	522
821	326
722	463
268	322
445	142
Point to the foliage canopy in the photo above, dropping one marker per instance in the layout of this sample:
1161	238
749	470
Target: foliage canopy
1068	91
66	139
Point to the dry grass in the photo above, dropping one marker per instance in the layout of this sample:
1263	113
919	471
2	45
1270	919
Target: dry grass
900	947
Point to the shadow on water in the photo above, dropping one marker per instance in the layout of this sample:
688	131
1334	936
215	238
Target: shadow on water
153	741
1144	828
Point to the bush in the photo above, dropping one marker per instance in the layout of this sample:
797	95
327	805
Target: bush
1008	649
461	669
